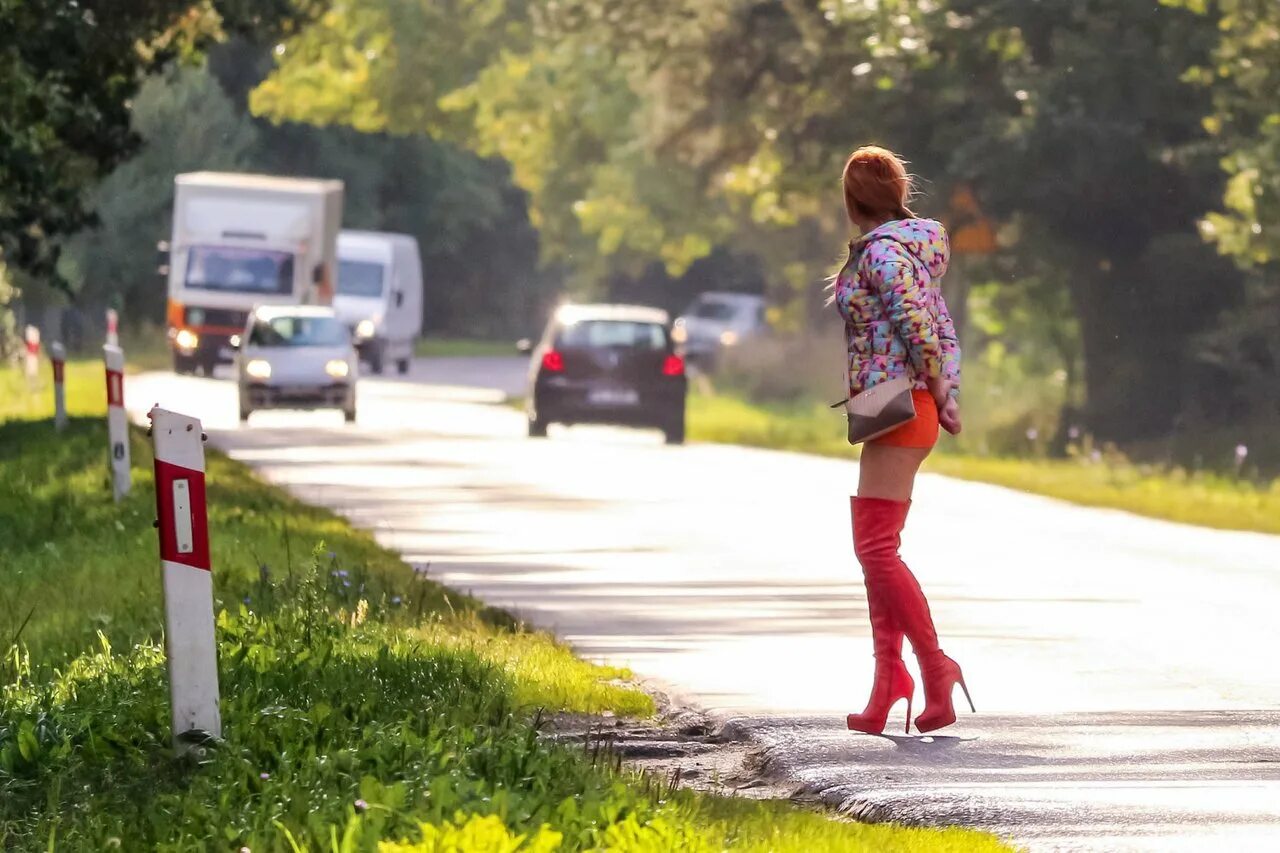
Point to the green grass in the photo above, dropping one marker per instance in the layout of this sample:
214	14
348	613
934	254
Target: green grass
1205	499
362	703
430	347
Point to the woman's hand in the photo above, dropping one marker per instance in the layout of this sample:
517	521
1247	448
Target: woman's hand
949	416
940	389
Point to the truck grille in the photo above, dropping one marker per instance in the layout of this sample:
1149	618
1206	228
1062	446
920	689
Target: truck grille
228	317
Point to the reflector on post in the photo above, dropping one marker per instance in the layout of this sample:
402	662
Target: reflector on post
58	356
117	421
188	580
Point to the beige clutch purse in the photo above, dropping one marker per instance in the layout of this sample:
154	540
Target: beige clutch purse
880	409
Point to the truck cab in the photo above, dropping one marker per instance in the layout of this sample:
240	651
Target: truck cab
379	295
240	241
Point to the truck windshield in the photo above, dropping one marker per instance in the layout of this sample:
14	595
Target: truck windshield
234	270
360	278
298	332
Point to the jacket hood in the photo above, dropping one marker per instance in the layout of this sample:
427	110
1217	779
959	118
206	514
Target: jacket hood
924	238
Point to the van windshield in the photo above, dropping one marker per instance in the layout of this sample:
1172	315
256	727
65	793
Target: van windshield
235	270
298	332
360	278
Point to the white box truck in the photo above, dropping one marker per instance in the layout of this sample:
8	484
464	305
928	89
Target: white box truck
380	295
240	241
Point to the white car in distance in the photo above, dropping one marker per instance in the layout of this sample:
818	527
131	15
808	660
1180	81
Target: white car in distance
296	357
718	320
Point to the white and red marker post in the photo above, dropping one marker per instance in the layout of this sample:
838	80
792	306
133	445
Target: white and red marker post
113	327
117	421
186	571
32	336
58	357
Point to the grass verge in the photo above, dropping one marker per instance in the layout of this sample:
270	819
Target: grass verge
1174	495
363	704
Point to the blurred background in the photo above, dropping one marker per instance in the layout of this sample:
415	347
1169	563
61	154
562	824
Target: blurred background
1110	174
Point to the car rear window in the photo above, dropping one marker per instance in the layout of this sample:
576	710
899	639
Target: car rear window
622	334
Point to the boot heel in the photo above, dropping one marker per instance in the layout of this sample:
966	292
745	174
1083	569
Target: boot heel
963	687
907	728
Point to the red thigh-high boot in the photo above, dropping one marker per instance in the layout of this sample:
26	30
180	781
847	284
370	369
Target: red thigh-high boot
908	607
892	681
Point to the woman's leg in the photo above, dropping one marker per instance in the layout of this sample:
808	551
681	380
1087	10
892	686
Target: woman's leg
886	479
889	472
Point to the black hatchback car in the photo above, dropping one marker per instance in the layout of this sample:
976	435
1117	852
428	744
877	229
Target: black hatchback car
607	364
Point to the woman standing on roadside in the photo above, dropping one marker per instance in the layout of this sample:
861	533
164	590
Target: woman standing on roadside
897	325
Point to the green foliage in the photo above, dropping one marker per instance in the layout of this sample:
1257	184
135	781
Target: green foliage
67	74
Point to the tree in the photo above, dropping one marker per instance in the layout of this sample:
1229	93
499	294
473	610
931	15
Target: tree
67	74
184	122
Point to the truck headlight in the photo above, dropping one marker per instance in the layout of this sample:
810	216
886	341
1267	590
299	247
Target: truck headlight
337	368
258	369
679	333
186	340
364	329
728	339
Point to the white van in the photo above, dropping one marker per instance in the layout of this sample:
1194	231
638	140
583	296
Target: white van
379	295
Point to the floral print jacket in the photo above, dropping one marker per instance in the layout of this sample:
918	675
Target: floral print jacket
895	320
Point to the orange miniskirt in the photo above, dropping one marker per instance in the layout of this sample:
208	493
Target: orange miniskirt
922	432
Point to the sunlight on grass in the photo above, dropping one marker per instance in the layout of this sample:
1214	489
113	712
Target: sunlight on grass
1174	495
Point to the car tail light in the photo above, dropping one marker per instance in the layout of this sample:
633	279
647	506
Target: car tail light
553	362
673	366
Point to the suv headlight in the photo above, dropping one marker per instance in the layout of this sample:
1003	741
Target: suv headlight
365	329
258	369
728	338
337	368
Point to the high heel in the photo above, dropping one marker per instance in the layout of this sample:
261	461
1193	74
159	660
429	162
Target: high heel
892	682
940	676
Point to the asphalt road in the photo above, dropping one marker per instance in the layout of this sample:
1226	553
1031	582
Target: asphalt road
1124	669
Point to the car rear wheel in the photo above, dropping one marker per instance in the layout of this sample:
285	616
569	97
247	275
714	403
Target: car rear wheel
349	415
402	366
537	427
245	411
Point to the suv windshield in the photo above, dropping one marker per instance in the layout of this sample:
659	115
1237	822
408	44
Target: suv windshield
360	278
234	270
298	332
602	334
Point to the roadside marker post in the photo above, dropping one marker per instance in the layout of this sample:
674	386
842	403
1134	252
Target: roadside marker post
113	327
187	576
58	355
117	421
32	336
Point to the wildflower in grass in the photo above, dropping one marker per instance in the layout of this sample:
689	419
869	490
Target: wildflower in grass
361	805
395	599
346	583
264	776
247	601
